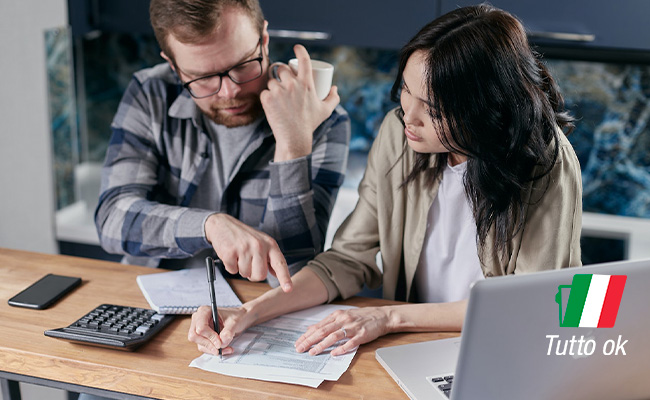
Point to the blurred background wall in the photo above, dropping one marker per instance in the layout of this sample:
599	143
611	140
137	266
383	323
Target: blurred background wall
26	184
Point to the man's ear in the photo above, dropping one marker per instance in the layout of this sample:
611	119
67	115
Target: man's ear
171	64
265	37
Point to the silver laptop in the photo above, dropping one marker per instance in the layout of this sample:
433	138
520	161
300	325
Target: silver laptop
576	333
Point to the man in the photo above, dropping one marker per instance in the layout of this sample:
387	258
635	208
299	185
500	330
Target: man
210	155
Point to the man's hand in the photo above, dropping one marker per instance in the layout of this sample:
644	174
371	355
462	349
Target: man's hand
293	109
245	250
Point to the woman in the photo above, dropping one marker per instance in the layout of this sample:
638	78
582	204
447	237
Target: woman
471	177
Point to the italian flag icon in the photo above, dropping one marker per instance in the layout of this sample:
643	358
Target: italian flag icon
593	301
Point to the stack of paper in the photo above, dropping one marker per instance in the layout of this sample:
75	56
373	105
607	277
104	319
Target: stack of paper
266	352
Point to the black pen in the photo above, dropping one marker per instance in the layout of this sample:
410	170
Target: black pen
213	298
210	265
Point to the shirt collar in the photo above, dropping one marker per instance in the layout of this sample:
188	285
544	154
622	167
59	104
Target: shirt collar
185	108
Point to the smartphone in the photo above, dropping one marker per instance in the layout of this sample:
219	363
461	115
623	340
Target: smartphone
45	292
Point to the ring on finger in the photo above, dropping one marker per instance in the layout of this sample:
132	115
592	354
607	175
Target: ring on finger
345	333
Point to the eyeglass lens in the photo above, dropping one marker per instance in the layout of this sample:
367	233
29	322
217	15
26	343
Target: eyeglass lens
242	73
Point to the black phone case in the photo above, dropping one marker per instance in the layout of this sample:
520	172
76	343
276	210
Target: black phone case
64	288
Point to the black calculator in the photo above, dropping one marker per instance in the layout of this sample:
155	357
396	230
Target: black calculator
118	327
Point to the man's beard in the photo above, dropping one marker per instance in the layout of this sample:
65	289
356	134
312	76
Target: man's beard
254	111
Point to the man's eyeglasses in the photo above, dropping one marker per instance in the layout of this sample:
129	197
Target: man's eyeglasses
210	85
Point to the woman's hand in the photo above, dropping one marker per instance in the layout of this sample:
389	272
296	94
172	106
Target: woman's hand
308	292
359	325
233	321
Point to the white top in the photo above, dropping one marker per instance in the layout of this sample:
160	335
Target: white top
449	261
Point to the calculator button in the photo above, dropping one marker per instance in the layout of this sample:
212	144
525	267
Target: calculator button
142	329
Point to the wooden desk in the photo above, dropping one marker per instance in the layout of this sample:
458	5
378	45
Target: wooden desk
158	369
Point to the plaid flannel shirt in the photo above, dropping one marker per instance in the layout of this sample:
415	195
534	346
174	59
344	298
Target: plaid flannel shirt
158	154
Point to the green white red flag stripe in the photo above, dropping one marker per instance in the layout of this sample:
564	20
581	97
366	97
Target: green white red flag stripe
594	301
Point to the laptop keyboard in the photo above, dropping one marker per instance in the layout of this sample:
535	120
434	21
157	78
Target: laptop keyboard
443	383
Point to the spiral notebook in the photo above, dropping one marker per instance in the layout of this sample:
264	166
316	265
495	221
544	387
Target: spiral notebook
183	291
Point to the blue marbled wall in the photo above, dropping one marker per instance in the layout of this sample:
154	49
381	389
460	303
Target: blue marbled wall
612	135
611	102
62	110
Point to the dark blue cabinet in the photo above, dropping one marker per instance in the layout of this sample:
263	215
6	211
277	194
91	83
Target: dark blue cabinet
582	24
365	23
385	24
597	24
120	16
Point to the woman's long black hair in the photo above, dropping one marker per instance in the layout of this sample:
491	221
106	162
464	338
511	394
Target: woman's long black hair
499	105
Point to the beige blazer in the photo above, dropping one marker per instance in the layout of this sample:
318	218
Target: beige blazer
392	221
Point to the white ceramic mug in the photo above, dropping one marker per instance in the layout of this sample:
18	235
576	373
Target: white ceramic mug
322	72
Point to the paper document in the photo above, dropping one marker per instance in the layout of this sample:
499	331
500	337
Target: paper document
266	352
183	291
